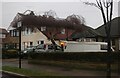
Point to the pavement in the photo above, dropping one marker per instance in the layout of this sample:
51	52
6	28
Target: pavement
58	70
6	74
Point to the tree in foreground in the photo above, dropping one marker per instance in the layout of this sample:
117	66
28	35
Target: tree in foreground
50	23
106	8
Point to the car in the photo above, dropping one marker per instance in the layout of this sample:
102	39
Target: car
47	48
28	49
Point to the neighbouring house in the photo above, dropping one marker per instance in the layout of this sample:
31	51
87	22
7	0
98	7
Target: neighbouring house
3	33
88	35
58	34
29	37
115	33
12	39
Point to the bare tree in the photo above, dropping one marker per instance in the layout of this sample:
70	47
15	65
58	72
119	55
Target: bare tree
76	19
53	25
50	13
106	8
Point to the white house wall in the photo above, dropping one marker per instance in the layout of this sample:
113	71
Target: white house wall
33	37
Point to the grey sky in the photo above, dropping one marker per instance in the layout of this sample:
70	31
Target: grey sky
91	14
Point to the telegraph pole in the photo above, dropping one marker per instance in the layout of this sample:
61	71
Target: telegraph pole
19	28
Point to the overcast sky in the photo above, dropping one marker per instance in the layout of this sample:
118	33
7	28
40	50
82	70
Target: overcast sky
63	8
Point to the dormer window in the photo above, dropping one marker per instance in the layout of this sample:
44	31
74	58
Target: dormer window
43	28
63	31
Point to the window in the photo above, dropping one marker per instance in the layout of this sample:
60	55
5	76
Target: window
25	45
43	28
103	47
11	33
31	43
82	40
27	31
63	31
17	33
40	42
14	33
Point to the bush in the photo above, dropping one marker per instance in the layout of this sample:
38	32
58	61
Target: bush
13	53
77	56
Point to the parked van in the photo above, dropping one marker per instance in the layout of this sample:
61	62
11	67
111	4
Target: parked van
86	47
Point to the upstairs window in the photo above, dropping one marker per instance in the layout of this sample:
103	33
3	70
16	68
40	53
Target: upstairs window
63	31
27	31
14	33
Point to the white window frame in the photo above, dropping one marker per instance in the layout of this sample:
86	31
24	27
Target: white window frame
63	31
43	28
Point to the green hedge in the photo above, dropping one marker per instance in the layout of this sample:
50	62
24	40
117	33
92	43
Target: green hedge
10	53
77	56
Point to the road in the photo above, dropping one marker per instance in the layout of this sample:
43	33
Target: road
59	70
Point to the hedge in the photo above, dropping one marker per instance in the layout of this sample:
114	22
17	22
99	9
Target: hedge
77	56
13	53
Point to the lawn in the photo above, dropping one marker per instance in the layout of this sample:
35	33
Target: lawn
28	72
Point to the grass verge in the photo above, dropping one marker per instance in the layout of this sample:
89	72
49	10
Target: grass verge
27	72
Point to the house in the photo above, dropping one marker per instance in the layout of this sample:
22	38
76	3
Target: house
12	39
87	35
115	33
40	29
3	33
58	34
30	36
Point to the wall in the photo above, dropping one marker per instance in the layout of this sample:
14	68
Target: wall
33	37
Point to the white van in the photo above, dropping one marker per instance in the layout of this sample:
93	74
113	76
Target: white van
86	47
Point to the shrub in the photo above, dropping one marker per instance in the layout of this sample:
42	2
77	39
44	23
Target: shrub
77	56
13	53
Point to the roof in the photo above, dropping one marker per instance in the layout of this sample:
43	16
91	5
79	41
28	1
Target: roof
3	31
115	28
87	33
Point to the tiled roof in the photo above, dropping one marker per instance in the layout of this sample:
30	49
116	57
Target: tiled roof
87	33
3	31
115	28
